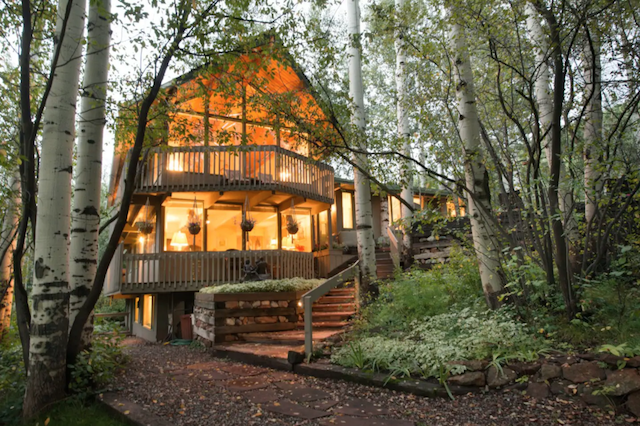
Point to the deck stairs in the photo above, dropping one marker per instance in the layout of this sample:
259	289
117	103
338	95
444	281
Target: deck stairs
335	309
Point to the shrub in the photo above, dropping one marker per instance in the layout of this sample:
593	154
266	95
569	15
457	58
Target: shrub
417	294
431	343
96	367
276	286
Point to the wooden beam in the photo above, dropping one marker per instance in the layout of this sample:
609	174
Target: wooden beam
210	198
259	197
297	200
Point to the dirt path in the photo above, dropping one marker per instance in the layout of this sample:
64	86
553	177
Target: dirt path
189	387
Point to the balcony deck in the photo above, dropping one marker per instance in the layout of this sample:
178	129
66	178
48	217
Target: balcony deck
190	271
236	168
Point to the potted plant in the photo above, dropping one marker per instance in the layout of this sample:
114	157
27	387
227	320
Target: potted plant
247	224
145	227
292	225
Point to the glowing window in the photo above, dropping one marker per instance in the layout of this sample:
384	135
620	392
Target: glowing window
347	210
136	308
147	310
396	210
323	225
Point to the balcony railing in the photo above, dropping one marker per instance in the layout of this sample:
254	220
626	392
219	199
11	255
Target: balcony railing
190	271
233	168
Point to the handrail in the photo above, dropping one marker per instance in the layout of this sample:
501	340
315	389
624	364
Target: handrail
312	295
394	246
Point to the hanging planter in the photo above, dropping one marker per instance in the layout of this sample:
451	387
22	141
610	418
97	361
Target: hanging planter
247	224
292	225
146	226
194	224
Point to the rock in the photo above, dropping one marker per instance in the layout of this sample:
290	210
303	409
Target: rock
538	390
282	319
474	365
587	357
623	382
548	372
610	359
274	304
251	320
495	378
599	400
525	368
266	320
230	321
473	378
634	362
583	372
283	304
633	403
265	303
564	359
256	304
231	305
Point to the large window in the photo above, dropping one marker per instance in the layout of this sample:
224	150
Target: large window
223	227
136	310
180	218
147	310
396	211
264	235
347	210
323	230
301	240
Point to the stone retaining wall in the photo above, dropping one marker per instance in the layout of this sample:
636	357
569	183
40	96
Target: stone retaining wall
598	379
225	317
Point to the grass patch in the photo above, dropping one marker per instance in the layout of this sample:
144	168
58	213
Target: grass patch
267	286
74	413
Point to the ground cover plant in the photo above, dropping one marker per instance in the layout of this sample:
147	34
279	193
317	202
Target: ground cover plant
276	286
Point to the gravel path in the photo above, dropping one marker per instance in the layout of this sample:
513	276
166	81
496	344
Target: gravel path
190	387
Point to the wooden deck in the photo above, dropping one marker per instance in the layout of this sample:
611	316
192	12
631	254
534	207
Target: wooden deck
190	271
236	168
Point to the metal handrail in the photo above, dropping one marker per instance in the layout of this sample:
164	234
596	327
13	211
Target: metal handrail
312	295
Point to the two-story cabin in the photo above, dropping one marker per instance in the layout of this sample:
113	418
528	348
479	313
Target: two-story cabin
228	183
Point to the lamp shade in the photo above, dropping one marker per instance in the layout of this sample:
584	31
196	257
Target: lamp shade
179	239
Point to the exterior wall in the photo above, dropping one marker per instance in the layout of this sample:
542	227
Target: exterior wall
174	304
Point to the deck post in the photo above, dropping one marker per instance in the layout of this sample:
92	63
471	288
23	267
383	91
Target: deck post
308	327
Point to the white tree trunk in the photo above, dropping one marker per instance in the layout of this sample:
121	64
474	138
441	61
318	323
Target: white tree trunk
404	134
592	128
50	293
384	214
478	202
7	244
85	213
364	216
544	98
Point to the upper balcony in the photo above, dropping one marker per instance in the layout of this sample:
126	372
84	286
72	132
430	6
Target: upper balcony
235	168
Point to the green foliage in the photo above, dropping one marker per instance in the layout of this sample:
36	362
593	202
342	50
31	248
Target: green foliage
276	286
430	343
76	413
417	294
12	378
96	367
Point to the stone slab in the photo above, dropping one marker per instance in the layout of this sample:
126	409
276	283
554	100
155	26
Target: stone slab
323	405
361	408
243	370
245	384
260	396
130	412
302	393
211	365
282	376
295	410
212	375
360	421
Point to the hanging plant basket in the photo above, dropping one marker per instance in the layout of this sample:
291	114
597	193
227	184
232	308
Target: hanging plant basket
247	225
194	228
145	228
292	227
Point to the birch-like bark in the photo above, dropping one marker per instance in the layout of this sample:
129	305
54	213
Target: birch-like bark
544	98
7	244
364	216
50	292
404	133
477	179
592	128
85	213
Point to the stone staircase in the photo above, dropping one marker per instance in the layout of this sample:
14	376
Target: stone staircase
384	264
335	309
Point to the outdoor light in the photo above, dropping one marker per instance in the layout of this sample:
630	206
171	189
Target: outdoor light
300	303
141	239
179	240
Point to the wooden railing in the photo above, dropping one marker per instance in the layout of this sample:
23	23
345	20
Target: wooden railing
190	271
395	247
229	168
312	295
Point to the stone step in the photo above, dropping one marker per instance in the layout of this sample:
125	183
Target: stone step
341	291
330	324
